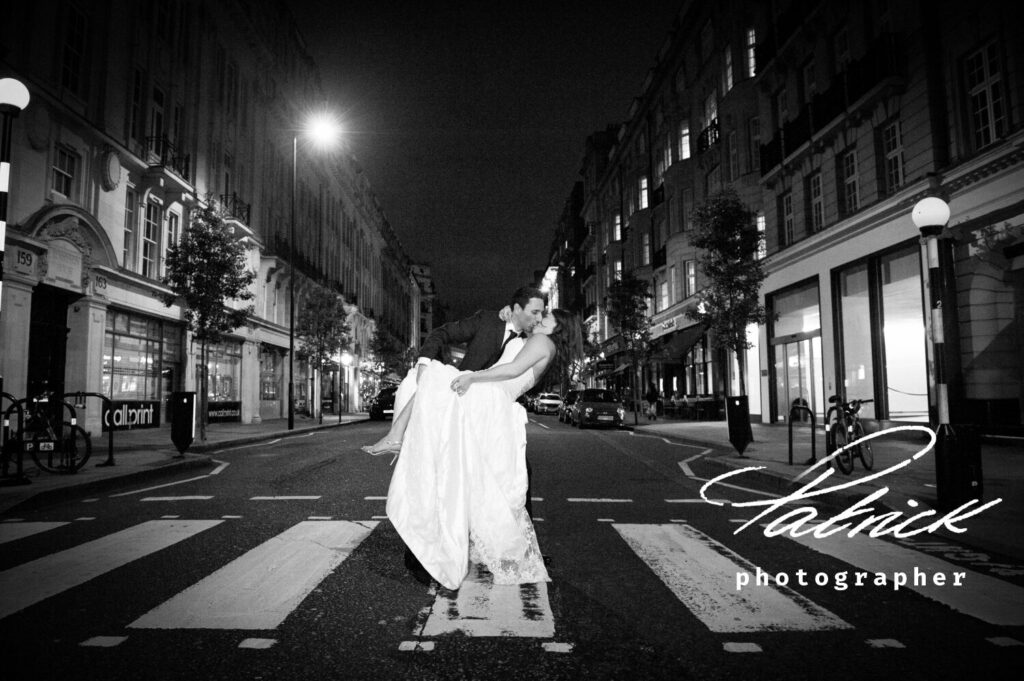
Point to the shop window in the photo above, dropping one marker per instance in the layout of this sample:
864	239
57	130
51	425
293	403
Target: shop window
795	354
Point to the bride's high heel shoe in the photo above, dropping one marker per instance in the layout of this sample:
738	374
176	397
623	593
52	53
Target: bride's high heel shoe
385	447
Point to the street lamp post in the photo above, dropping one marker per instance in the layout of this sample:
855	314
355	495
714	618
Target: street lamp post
957	452
323	130
14	98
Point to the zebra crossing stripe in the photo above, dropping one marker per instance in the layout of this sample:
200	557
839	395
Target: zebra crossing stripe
481	608
987	598
260	588
701	572
13	531
37	580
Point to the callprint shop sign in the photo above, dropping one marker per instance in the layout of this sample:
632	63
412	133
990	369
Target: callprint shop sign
135	414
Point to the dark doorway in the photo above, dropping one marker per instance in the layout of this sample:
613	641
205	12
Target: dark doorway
48	339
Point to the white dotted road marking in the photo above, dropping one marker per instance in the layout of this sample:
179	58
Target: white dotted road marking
696	501
606	520
733	647
86	517
599	501
676	520
884	643
536	498
169	517
103	641
150	489
296	497
1004	641
375	498
257	643
319	517
416	646
89	501
231	517
556	647
378	517
538	520
194	497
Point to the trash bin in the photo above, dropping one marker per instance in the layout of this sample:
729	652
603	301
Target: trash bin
183	419
737	412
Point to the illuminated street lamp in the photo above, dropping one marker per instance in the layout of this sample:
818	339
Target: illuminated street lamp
957	451
14	98
323	130
346	361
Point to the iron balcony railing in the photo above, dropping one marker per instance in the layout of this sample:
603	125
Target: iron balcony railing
163	154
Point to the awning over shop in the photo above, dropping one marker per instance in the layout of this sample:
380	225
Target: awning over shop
673	346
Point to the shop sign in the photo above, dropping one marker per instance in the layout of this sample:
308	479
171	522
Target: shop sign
607	365
666	326
131	415
223	412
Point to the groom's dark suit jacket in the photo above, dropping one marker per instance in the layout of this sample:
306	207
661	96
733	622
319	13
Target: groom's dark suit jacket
483	334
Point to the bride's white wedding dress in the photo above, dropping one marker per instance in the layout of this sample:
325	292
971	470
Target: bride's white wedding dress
458	493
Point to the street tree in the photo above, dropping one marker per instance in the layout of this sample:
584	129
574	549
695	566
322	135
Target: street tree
206	269
626	307
389	355
727	239
322	328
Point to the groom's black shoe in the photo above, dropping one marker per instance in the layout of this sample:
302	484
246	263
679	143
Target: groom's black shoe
416	569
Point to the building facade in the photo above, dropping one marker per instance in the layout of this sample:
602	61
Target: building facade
830	121
140	113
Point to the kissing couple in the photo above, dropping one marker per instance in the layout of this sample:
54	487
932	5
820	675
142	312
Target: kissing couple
460	492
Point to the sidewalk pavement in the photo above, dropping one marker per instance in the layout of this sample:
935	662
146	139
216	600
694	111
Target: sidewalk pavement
999	529
148	453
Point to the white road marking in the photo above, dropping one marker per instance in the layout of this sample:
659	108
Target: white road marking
536	498
287	498
1004	641
378	517
667	441
987	598
259	589
257	643
19	530
218	469
86	517
701	573
414	646
193	497
606	520
694	501
739	487
104	641
319	517
884	643
169	517
735	647
540	424
600	501
150	489
375	498
231	517
481	608
556	647
50	575
89	501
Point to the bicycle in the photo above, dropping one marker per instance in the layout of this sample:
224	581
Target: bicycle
56	446
843	426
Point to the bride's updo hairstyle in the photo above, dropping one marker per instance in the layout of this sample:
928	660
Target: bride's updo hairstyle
568	339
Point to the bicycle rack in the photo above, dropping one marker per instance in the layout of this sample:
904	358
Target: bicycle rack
19	478
108	403
796	408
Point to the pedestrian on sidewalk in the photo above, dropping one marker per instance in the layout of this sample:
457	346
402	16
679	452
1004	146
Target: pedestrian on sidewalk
651	402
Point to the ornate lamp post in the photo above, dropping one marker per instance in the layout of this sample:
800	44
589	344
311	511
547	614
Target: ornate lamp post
323	130
14	98
957	451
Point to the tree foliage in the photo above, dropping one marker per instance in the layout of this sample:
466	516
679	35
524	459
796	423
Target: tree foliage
390	355
626	306
321	325
727	238
205	269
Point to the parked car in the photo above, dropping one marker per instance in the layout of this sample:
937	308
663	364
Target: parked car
383	405
566	405
546	403
597	407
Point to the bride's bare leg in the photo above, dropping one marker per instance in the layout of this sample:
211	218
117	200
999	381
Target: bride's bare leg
392	441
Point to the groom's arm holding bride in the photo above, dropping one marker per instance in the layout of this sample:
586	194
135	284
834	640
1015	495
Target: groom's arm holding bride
538	350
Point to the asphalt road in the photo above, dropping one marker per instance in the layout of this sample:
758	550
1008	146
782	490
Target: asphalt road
280	564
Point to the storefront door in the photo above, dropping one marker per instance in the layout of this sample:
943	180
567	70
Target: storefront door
798	374
48	339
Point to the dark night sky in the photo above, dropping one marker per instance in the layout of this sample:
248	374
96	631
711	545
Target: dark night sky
470	118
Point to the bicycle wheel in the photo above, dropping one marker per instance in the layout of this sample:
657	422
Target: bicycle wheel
867	457
77	447
840	438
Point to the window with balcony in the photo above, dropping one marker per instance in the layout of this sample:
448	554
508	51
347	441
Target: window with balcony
642	192
754	151
986	101
816	203
617	228
73	71
710	110
130	224
727	79
151	240
848	184
173	232
690	272
734	156
787	226
684	141
65	163
751	46
762	243
892	157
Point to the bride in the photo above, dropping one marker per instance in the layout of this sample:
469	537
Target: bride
458	493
